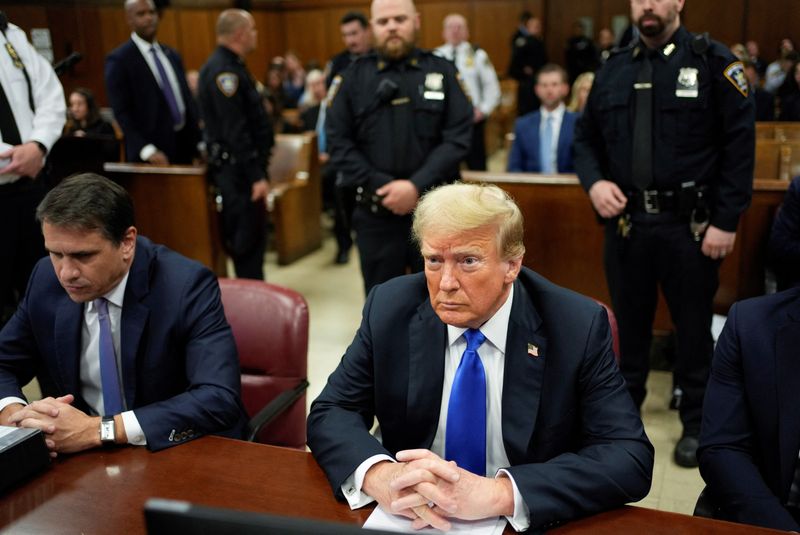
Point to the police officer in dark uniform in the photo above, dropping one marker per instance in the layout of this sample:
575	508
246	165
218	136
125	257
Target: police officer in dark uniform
399	123
528	55
239	139
357	38
665	149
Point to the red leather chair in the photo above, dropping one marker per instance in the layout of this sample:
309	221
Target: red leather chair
612	321
270	325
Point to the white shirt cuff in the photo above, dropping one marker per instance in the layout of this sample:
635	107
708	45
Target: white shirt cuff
5	402
133	430
522	514
351	488
147	151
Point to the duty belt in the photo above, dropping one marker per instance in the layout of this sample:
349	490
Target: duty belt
678	200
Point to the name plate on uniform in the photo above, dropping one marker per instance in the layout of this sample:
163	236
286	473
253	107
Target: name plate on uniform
23	453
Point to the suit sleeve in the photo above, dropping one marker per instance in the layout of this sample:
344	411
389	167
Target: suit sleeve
120	91
211	401
727	441
192	126
18	349
614	464
345	406
444	159
516	158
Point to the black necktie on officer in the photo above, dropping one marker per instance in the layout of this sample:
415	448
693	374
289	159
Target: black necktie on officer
642	158
8	125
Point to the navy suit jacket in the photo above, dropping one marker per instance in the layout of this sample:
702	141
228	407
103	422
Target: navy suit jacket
524	155
750	436
573	437
141	109
179	363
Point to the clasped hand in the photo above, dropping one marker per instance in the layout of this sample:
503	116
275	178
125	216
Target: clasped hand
429	490
66	429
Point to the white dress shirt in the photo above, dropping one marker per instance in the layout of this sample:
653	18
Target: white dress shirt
46	123
91	383
144	47
492	355
477	72
557	117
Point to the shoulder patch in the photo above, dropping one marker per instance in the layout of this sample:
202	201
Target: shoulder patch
334	88
228	83
735	75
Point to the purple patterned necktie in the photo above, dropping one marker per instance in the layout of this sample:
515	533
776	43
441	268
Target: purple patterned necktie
465	433
112	398
166	88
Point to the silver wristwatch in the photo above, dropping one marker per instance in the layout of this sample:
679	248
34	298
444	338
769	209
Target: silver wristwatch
107	430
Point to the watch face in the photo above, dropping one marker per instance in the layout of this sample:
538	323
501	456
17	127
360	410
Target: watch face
107	431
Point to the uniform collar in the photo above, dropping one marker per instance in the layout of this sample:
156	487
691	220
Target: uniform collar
230	53
412	60
666	51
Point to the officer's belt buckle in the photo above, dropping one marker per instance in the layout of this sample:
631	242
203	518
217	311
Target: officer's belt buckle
650	202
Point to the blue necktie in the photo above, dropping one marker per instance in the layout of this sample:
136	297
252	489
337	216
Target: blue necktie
112	398
546	146
465	437
166	88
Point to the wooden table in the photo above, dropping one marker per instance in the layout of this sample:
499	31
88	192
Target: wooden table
104	491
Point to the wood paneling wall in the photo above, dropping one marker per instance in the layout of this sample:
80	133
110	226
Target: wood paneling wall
310	27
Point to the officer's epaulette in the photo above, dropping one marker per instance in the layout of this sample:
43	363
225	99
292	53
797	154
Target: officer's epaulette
701	43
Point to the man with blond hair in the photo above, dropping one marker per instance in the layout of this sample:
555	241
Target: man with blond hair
398	125
239	139
532	422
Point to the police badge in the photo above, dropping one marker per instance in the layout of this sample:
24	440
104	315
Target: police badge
687	86
434	82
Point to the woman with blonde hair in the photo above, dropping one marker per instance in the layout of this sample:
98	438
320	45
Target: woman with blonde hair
580	92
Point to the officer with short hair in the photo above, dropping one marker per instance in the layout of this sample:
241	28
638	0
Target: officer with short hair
399	123
665	150
239	139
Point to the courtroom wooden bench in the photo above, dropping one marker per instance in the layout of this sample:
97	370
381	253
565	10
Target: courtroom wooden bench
295	198
173	206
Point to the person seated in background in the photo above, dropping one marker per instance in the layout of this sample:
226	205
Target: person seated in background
581	53
128	339
784	240
749	441
580	92
765	101
83	116
495	390
272	91
294	81
753	51
789	94
740	51
543	138
313	97
776	71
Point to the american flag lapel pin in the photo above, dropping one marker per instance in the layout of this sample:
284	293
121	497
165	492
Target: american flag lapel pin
533	350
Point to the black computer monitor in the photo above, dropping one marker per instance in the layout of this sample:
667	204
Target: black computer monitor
168	517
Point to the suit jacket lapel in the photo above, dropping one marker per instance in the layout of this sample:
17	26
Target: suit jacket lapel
134	318
68	347
787	365
426	344
522	378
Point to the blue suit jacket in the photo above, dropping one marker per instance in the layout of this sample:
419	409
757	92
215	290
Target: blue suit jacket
179	363
141	109
751	429
524	155
572	435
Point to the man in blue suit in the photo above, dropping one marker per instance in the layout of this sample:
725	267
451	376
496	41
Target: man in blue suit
147	89
128	339
534	417
750	437
543	138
